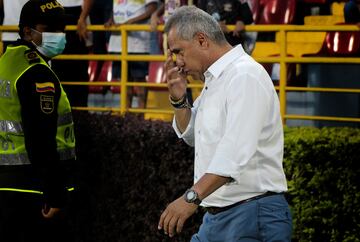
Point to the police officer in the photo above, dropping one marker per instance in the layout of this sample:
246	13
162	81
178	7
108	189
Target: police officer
36	129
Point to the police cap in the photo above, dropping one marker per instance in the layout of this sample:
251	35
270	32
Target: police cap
47	12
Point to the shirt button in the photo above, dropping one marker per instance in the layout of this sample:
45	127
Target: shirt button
206	88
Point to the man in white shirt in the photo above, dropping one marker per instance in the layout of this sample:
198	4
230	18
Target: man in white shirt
235	126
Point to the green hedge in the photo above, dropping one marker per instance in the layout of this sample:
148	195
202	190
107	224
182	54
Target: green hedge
130	168
323	177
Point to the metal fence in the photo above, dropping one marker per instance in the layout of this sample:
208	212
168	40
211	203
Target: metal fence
282	58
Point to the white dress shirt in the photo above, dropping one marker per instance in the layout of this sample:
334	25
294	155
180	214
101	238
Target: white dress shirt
138	41
236	129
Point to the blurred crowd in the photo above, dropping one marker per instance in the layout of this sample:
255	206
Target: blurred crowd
154	12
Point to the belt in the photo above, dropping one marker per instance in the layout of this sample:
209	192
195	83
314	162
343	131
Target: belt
215	210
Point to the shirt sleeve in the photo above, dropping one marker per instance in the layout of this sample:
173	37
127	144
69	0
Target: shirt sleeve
247	105
188	134
39	93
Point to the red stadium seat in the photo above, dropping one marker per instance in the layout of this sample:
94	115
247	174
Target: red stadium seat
343	43
340	43
97	94
156	74
277	11
115	89
255	8
103	75
263	2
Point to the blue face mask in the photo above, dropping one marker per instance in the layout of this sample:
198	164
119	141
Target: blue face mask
52	44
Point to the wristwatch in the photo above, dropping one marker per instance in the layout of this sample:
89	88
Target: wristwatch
191	196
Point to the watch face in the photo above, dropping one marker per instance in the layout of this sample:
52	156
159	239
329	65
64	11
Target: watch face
190	195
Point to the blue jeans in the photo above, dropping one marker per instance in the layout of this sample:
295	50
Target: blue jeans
266	219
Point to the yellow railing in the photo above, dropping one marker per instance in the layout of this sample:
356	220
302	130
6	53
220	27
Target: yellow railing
283	59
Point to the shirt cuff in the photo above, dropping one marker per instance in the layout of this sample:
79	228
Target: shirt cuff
188	134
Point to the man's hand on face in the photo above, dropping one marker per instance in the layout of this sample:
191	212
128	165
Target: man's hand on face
176	80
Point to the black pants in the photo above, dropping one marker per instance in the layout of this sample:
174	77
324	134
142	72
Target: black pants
21	220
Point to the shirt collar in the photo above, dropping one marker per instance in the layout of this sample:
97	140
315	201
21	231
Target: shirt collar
219	66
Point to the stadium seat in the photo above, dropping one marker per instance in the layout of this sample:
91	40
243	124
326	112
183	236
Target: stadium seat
115	89
93	70
97	94
255	8
340	43
323	19
156	74
337	8
157	97
277	11
343	43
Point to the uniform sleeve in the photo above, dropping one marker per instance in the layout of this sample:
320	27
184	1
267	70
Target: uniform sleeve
39	94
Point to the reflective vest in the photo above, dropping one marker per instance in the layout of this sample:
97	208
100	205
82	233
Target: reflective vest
13	64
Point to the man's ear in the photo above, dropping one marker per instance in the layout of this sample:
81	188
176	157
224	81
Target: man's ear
202	39
27	33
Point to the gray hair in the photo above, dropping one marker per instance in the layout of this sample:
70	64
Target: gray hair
190	20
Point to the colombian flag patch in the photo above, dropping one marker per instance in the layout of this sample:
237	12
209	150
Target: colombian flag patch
45	87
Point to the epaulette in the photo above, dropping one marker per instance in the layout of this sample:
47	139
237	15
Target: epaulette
32	57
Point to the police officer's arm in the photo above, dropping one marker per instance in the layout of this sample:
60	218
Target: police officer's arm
39	94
